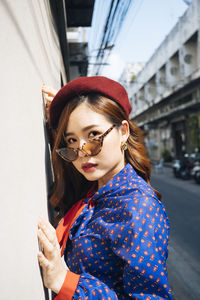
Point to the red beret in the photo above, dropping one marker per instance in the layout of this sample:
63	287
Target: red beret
85	85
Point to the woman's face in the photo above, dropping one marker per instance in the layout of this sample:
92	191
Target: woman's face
111	158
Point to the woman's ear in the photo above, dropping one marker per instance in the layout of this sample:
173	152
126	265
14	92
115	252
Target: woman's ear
124	131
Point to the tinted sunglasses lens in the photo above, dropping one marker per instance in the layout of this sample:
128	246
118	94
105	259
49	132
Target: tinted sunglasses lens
67	154
92	148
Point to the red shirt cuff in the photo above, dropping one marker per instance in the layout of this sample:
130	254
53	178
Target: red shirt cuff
69	286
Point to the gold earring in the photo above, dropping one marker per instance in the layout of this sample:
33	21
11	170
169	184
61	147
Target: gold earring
124	146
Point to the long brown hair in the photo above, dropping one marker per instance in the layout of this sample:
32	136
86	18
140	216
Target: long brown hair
70	186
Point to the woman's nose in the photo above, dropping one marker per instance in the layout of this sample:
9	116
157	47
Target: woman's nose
81	153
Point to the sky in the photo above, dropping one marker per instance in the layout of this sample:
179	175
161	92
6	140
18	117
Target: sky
147	24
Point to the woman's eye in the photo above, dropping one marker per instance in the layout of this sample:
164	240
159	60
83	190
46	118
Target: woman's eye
71	141
93	134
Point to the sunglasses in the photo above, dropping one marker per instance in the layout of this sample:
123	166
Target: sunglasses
91	148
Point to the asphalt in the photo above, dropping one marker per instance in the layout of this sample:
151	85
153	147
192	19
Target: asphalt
182	201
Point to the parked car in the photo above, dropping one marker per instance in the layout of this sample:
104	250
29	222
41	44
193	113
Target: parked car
195	173
197	176
182	168
176	164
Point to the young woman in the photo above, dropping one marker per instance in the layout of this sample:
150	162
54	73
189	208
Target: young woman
114	232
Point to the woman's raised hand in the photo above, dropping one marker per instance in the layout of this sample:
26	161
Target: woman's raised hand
48	95
54	269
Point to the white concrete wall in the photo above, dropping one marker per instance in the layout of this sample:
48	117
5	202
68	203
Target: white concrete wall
29	56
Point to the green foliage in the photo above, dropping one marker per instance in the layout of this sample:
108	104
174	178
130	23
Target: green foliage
166	155
194	129
133	77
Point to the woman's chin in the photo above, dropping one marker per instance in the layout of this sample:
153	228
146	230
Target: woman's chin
91	177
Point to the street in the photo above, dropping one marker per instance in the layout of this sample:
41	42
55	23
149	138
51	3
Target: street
182	201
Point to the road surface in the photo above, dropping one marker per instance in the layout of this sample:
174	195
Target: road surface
182	201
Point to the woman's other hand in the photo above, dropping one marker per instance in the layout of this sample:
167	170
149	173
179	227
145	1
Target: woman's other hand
48	95
54	269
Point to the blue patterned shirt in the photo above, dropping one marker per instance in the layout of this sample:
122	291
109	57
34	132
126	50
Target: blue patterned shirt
120	245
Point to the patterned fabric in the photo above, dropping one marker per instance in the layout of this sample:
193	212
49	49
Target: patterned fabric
119	246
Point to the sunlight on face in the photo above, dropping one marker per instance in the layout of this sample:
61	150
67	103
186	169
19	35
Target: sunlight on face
85	124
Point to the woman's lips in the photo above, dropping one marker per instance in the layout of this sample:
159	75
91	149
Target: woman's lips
88	167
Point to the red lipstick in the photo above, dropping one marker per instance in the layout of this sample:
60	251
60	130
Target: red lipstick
88	167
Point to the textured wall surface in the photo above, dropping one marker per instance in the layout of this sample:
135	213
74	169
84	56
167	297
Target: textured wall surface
29	56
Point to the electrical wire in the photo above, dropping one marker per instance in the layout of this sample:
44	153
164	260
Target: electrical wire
115	18
124	8
136	9
98	24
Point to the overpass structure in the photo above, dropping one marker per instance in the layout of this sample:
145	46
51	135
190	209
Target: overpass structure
166	93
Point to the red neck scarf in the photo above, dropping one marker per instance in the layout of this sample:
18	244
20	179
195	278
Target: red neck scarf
62	231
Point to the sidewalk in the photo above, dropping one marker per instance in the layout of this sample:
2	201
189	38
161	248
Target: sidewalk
167	175
166	164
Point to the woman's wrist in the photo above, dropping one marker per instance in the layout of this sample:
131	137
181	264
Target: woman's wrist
59	282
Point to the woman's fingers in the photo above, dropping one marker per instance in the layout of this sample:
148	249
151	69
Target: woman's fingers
47	246
49	231
44	263
48	99
53	269
46	227
48	95
49	91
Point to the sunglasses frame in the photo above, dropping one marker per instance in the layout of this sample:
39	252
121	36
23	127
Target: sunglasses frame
99	139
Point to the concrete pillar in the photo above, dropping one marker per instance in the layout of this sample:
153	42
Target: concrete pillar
150	90
173	75
189	57
161	81
141	99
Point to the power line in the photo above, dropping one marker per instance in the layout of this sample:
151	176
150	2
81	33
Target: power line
115	18
97	23
136	8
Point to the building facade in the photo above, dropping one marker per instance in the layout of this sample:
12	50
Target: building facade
166	93
130	72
